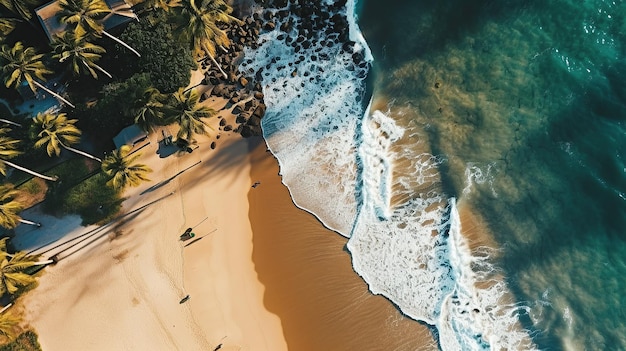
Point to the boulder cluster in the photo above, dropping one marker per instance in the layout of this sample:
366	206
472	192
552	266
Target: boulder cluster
244	95
304	25
307	25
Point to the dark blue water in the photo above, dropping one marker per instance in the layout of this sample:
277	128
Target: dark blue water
525	101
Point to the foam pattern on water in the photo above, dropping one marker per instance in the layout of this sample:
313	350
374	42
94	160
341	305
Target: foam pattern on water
313	109
338	163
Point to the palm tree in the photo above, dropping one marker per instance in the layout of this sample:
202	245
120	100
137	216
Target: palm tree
185	110
56	131
8	149
120	166
87	17
24	64
165	5
12	268
12	274
8	323
9	208
7	25
199	25
220	11
19	7
82	55
148	110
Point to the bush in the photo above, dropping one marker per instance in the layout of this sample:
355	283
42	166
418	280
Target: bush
82	192
27	341
93	200
167	60
111	113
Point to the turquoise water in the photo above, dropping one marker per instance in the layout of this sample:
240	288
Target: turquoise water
525	102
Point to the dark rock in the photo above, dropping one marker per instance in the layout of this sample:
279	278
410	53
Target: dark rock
222	122
241	119
213	145
228	128
254	121
259	111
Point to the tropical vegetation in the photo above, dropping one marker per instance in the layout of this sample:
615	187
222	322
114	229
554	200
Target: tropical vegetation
10	208
123	170
56	131
80	54
146	88
185	110
20	64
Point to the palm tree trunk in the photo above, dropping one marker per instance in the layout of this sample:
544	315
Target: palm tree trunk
6	307
121	43
53	93
217	64
79	152
43	263
98	68
10	122
26	221
30	172
235	19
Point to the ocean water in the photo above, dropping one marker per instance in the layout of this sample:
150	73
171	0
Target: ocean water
478	171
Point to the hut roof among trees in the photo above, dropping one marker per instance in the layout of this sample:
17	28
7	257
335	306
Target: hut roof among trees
51	24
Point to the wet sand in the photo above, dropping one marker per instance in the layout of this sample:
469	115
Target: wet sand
309	282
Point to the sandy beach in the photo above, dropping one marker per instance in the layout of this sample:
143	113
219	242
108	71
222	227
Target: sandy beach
120	288
260	273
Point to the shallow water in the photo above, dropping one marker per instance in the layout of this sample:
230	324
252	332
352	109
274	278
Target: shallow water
525	101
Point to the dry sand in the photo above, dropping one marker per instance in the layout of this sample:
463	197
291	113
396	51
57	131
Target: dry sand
120	288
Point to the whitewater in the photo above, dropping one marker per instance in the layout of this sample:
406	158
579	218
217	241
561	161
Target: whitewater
359	172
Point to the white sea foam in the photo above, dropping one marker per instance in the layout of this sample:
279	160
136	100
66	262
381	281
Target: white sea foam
474	174
337	161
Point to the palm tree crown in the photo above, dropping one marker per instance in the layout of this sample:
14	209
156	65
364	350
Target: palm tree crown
19	7
7	25
22	64
85	15
54	131
8	149
198	24
12	274
8	323
82	54
148	110
18	64
9	208
123	170
185	110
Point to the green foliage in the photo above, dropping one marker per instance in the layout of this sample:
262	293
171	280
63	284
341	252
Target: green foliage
112	112
92	199
27	341
82	191
123	171
31	186
167	60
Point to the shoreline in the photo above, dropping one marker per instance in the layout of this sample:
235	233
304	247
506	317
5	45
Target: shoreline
310	283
